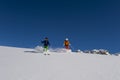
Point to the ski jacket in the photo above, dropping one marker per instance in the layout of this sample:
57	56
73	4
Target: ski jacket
45	43
66	43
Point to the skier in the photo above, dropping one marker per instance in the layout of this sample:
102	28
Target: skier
46	44
67	43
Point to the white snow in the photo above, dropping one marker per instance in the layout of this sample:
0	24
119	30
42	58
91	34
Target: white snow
27	64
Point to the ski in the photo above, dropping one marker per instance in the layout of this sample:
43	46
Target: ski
46	54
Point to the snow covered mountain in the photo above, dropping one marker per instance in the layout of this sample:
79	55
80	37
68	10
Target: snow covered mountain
27	64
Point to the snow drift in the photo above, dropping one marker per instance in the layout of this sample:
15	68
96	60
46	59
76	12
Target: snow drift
27	64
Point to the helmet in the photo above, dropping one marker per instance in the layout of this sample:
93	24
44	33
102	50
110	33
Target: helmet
66	39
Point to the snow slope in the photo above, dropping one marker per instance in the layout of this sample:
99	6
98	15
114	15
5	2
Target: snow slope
26	64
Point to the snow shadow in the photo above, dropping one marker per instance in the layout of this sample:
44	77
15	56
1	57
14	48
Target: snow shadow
31	52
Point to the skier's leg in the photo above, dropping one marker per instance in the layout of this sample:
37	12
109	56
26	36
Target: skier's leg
67	47
44	49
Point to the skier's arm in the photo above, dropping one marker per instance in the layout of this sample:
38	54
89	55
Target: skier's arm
42	41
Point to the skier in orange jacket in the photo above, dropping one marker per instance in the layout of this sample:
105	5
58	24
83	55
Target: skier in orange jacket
67	43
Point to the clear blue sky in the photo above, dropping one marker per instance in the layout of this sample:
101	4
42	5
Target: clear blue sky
88	24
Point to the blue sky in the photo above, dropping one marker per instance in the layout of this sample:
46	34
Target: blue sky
89	24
